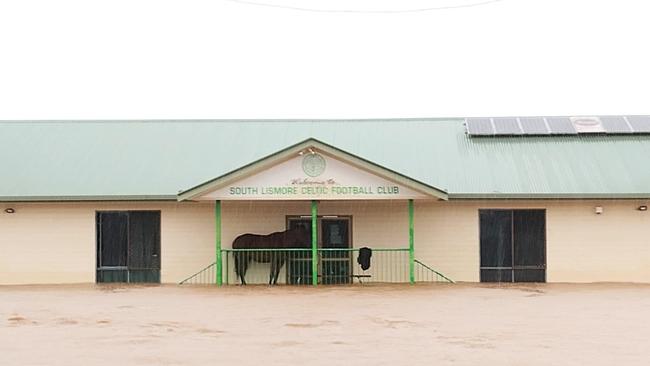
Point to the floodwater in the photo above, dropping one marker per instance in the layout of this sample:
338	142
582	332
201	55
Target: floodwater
433	324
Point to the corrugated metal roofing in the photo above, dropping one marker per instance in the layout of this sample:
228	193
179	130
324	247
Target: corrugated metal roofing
157	159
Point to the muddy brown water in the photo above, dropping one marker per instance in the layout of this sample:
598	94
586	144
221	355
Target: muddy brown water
441	324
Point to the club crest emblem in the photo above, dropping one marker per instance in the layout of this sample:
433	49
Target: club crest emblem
313	165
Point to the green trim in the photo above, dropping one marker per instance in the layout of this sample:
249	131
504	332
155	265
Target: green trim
546	196
411	244
291	151
434	271
357	249
196	274
450	197
282	250
88	198
217	242
279	250
314	243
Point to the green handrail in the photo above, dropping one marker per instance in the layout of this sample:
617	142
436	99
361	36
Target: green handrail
267	250
319	249
207	270
434	271
198	273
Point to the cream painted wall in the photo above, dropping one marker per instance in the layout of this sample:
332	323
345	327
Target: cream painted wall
581	246
585	247
55	242
45	243
367	218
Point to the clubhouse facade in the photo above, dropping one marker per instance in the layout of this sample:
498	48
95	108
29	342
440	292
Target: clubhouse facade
516	199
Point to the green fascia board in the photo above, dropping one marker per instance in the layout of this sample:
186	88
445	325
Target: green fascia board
546	196
290	152
450	197
86	198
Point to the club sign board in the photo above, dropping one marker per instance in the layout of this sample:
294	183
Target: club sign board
313	176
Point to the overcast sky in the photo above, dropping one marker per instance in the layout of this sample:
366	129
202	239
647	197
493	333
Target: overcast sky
130	59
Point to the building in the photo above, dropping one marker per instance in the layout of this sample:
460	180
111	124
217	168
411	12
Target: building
555	199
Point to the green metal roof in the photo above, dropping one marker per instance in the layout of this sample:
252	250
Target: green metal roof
59	160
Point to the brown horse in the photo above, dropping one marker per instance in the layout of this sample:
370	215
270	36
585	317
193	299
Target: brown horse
294	238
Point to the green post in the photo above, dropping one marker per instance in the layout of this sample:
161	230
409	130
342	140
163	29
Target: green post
411	245
314	242
217	241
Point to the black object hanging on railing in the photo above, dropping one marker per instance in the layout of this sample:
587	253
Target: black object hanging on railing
363	259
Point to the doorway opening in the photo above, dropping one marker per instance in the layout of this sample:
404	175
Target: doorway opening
335	258
513	245
128	246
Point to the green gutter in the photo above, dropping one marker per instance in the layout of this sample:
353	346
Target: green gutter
452	197
88	198
545	196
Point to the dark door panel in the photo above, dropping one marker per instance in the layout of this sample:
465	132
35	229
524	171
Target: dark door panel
128	246
530	275
513	245
108	275
299	262
529	237
113	238
496	238
144	240
335	267
496	275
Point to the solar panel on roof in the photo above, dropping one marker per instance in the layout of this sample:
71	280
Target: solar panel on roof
506	126
561	126
640	124
517	126
587	125
479	126
615	124
533	125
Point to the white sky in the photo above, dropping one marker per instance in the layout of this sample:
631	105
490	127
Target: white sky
122	59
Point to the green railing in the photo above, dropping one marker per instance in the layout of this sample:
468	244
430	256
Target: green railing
335	266
294	266
206	276
424	273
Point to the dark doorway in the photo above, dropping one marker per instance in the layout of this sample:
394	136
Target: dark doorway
128	246
513	245
335	266
299	263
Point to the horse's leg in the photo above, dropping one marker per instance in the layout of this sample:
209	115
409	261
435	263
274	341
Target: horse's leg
237	264
272	271
244	268
273	274
241	264
278	267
